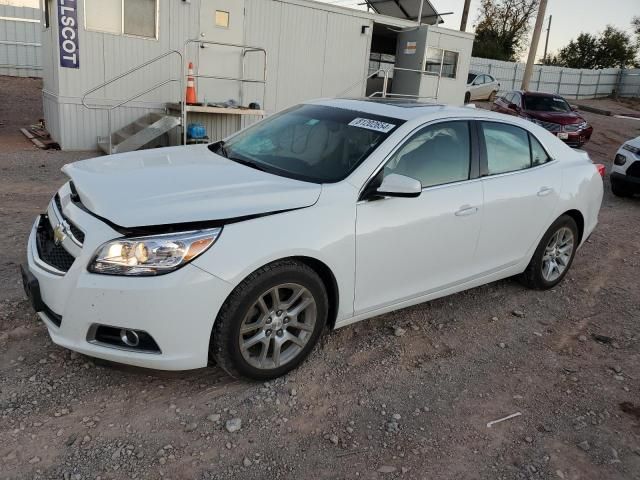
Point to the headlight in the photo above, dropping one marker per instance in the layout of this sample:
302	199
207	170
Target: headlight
152	255
631	148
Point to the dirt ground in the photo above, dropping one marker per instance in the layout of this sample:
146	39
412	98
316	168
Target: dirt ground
367	403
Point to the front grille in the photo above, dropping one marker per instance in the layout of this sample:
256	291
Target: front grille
575	127
634	170
48	251
552	127
75	231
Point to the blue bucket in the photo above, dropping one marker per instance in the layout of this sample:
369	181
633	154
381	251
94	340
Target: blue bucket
196	130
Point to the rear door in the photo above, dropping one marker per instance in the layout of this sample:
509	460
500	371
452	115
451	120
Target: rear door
521	184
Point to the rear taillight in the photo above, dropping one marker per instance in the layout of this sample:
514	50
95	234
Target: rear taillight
601	169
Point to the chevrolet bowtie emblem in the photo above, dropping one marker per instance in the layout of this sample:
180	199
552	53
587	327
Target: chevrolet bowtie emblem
59	233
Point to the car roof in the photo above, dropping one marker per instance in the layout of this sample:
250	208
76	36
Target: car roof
408	109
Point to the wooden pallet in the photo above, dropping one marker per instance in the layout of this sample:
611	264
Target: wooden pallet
40	137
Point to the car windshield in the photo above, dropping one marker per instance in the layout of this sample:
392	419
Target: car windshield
546	104
471	77
314	143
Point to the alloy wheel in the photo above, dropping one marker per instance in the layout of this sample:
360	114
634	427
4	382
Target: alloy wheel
278	326
557	254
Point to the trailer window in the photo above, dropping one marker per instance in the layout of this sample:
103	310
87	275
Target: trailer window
130	17
442	60
140	18
222	19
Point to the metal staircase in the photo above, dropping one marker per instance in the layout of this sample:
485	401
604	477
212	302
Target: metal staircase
153	125
139	133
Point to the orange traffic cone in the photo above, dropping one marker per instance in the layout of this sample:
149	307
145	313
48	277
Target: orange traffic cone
191	89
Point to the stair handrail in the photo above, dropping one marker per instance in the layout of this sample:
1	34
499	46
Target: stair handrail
109	108
362	80
245	49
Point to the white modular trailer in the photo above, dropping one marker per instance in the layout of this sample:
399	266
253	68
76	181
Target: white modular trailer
312	50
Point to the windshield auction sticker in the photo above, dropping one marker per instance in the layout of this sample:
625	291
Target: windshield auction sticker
371	124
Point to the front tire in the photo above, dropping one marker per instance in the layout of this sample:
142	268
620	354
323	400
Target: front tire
553	256
467	97
270	322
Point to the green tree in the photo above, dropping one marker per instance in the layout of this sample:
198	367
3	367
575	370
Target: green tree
615	49
612	48
580	53
502	28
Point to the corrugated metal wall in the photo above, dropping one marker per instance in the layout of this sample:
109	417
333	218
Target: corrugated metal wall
307	57
20	44
629	83
568	82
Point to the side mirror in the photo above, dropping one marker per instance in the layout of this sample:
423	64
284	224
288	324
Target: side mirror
513	106
574	108
395	185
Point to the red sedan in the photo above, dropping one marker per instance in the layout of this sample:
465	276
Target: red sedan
549	111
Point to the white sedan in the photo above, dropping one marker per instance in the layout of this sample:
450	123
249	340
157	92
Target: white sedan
325	214
481	86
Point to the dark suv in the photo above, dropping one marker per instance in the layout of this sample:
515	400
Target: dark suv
549	111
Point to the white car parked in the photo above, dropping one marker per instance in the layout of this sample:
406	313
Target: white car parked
325	214
625	173
481	86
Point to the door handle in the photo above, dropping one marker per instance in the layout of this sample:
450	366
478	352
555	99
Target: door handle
466	210
544	191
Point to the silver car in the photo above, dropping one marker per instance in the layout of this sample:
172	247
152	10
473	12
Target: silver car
481	86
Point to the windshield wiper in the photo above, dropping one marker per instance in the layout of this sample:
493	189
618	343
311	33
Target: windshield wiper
247	163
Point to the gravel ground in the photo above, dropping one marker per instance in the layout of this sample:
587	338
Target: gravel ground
405	395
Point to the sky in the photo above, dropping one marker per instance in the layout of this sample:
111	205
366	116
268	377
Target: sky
570	17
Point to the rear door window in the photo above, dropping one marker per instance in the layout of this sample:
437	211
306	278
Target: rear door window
539	155
507	148
510	148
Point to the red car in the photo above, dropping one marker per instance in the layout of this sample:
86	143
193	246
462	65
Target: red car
549	111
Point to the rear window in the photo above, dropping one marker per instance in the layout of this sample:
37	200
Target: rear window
315	143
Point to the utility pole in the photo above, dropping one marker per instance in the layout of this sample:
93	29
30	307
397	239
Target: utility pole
533	49
465	15
546	42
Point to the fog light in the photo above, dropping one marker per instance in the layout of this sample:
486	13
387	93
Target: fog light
620	159
129	337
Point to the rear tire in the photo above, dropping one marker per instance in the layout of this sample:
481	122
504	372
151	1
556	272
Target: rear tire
467	97
270	322
554	255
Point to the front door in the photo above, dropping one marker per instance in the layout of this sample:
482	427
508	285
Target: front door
407	247
220	21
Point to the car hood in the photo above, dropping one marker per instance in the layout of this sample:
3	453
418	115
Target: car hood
562	118
180	185
635	142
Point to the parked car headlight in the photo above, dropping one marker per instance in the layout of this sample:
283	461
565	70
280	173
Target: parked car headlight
631	148
152	255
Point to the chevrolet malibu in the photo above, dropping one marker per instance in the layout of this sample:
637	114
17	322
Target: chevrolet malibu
331	212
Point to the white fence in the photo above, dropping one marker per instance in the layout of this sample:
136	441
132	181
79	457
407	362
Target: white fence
20	47
568	82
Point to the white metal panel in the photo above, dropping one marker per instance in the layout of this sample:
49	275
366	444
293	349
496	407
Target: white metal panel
20	41
345	66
